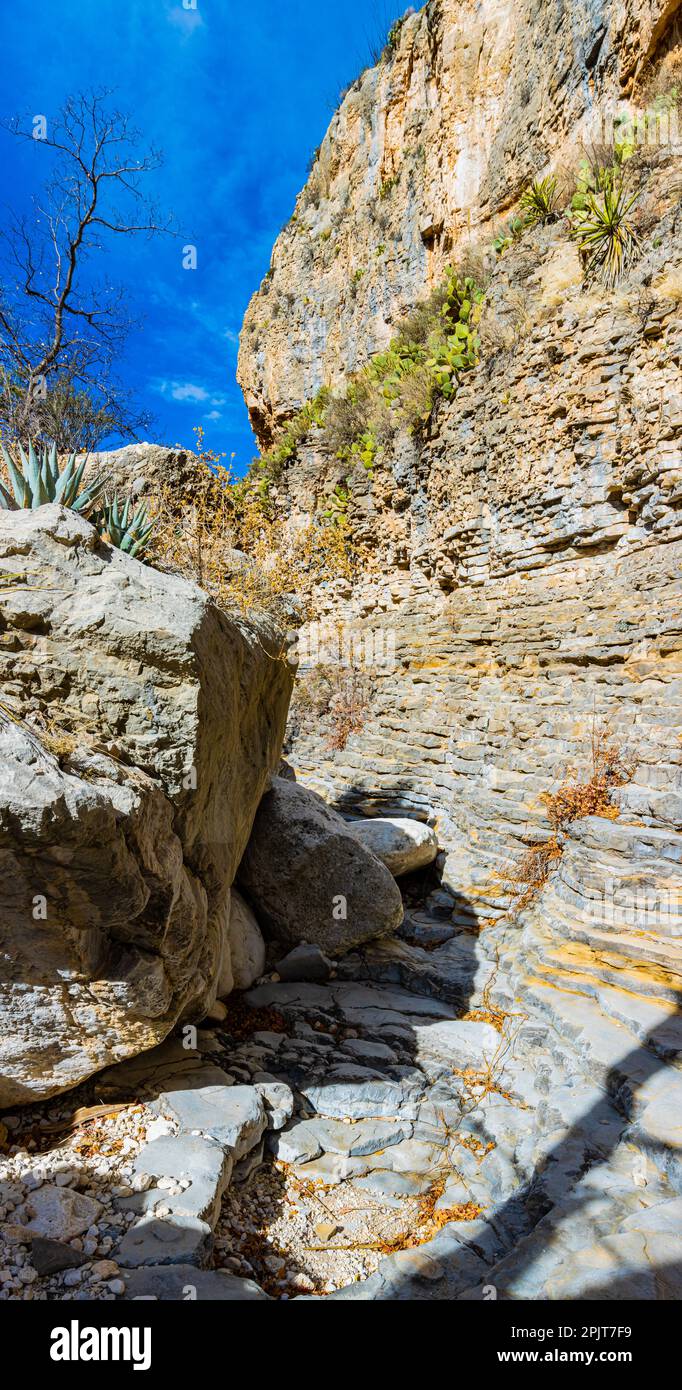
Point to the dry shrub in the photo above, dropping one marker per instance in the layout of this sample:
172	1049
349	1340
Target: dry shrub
425	318
573	801
659	80
495	335
348	707
347	417
526	879
229	538
330	698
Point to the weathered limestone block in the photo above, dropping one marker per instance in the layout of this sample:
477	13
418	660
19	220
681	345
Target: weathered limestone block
247	947
139	727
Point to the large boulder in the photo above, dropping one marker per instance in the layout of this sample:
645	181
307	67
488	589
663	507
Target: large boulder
144	469
138	730
310	879
402	845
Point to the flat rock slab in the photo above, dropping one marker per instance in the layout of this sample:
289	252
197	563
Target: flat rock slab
360	1094
458	1043
356	1140
297	1143
168	1067
180	1283
372	1051
176	1240
385	1183
664	1217
184	1156
58	1213
333	1168
52	1256
630	1265
234	1116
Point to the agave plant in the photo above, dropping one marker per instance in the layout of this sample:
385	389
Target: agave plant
40	479
539	202
129	530
606	234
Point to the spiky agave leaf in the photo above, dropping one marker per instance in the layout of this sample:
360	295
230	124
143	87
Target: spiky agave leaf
539	202
33	473
40	480
7	503
130	533
69	490
606	234
20	488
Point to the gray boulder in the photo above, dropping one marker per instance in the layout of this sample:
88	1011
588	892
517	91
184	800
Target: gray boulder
402	845
310	879
138	731
246	944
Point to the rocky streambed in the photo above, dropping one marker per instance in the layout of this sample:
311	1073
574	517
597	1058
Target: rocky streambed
409	1127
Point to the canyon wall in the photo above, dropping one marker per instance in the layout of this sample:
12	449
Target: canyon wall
520	588
428	150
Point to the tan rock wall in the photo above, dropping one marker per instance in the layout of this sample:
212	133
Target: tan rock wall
426	153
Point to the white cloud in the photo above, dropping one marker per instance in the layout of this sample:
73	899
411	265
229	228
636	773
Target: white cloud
182	391
213	415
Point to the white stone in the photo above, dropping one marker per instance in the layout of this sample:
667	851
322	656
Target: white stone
402	845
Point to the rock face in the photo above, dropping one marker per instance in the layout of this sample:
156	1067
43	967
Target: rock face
310	879
139	727
428	151
525	601
527	550
139	469
402	845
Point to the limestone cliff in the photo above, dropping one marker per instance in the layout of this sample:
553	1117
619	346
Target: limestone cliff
426	151
522	586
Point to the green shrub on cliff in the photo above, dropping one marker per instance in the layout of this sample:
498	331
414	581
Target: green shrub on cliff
607	237
539	203
437	343
271	464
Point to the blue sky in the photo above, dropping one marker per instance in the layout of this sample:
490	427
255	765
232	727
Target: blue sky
237	96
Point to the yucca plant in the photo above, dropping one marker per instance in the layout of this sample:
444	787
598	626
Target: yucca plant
127	529
40	480
539	202
606	234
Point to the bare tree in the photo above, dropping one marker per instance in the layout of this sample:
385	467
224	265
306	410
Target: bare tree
61	328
